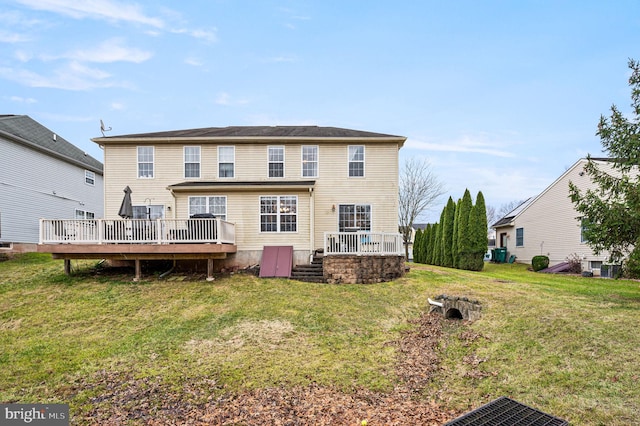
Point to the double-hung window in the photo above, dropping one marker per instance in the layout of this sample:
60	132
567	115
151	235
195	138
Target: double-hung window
279	213
354	217
356	160
584	224
89	178
216	205
82	214
519	237
276	161
226	161
145	162
309	161
191	161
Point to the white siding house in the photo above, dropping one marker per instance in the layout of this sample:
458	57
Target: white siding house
42	175
279	185
548	224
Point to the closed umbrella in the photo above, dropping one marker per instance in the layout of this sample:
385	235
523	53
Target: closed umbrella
126	208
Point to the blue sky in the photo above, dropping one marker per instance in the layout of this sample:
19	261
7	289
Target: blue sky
499	96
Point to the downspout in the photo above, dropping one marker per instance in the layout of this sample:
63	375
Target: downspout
312	224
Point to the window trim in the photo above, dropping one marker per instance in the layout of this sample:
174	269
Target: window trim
316	161
89	178
278	214
520	239
152	162
185	162
350	161
207	205
84	214
233	162
270	162
342	228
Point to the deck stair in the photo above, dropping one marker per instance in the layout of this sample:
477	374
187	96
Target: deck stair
312	272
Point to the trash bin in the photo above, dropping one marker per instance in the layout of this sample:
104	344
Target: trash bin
202	229
501	254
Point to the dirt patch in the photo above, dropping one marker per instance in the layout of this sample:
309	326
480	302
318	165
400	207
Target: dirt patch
124	399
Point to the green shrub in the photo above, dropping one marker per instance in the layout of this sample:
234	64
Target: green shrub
539	262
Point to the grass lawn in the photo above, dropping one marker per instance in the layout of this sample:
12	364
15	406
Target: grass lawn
566	345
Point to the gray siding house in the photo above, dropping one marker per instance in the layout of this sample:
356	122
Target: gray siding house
42	175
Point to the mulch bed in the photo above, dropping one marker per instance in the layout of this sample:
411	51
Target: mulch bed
127	400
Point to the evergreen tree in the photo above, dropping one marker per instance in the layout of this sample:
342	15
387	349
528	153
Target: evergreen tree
426	241
417	245
455	257
464	243
611	210
449	215
433	258
478	234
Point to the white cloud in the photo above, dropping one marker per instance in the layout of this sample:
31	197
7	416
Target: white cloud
22	100
96	9
464	145
193	62
206	35
12	38
112	50
226	100
117	106
72	76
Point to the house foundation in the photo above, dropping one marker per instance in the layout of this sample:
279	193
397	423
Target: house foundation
347	269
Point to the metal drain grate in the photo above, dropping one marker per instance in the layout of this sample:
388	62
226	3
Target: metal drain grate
506	412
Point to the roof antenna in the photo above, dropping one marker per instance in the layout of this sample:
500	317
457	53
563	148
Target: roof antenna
103	129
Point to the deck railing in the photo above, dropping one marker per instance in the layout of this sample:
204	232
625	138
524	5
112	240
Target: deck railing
363	243
136	231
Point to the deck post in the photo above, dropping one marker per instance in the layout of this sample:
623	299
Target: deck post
67	266
210	269
138	270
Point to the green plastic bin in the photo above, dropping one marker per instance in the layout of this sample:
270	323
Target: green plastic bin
501	254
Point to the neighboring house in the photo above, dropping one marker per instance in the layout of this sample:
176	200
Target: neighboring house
548	224
414	229
277	185
42	175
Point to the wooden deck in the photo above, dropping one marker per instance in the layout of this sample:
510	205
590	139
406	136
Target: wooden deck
137	240
138	252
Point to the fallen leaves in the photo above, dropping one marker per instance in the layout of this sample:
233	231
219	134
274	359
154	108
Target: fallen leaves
124	399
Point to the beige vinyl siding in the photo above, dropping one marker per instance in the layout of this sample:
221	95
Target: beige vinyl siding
551	225
333	186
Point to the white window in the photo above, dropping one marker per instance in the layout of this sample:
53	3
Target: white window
89	178
150	212
191	161
356	160
145	162
276	161
82	214
279	213
226	161
584	223
215	205
354	217
309	161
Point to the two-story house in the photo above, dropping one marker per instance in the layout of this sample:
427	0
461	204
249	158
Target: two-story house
549	224
276	185
42	175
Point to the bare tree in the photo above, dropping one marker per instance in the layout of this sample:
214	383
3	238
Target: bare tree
507	208
419	189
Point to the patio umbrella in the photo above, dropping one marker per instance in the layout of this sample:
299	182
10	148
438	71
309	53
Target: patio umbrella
126	208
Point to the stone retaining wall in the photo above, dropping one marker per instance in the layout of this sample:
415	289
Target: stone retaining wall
362	269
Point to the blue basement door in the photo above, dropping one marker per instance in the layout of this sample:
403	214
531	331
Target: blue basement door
276	261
